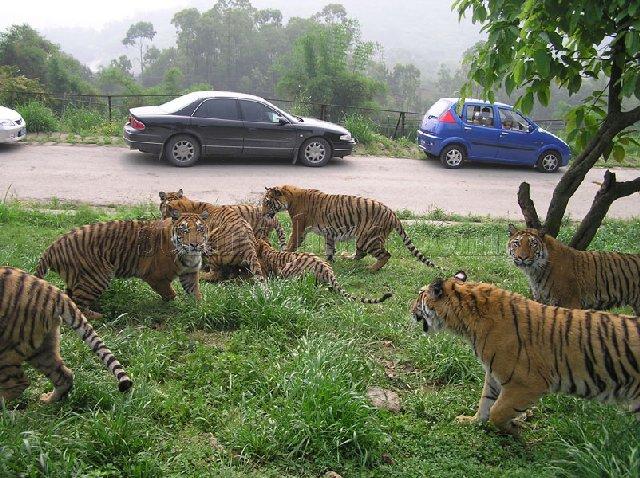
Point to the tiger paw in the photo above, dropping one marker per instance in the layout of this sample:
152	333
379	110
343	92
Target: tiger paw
47	397
92	315
466	420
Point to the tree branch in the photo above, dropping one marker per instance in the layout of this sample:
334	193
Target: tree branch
609	191
527	206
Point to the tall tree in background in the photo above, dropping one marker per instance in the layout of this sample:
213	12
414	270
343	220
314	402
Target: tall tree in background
533	43
140	34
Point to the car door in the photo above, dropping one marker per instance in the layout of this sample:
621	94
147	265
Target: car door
517	144
266	133
217	122
480	131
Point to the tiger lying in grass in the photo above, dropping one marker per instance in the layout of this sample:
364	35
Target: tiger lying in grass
561	275
338	217
292	264
529	349
261	224
30	313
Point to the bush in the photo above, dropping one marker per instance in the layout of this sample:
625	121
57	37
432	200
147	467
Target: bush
361	128
85	120
39	118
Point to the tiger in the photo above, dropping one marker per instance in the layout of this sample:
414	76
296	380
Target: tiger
529	349
563	276
291	264
89	257
339	217
30	313
231	244
261	224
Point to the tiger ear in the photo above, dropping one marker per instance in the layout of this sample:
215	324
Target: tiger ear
180	192
461	276
204	215
512	229
175	214
436	290
162	195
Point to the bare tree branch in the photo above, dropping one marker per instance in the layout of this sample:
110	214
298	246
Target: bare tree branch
527	206
609	191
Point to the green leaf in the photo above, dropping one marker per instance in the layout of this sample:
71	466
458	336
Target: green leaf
543	62
518	72
543	95
618	153
527	102
509	84
637	90
629	81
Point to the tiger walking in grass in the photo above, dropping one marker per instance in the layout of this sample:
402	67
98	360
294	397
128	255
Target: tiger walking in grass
529	349
338	217
30	313
293	264
563	276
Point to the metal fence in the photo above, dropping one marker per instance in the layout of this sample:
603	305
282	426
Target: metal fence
389	122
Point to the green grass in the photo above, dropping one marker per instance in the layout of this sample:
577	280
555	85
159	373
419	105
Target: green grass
272	382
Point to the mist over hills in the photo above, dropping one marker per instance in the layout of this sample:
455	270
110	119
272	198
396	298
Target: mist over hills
424	32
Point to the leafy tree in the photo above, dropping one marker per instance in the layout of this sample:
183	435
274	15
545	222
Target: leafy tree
122	63
173	79
534	43
404	83
15	87
140	34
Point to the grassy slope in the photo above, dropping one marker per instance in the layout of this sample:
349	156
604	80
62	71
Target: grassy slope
271	383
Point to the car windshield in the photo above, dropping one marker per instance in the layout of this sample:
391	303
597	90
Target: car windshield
179	103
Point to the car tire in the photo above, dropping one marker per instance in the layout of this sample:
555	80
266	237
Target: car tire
182	150
315	152
548	162
452	156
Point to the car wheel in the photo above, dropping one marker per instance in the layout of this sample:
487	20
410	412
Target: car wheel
452	156
548	162
182	150
315	152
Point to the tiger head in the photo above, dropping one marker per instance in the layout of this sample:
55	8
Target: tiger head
165	197
189	232
433	305
526	247
274	201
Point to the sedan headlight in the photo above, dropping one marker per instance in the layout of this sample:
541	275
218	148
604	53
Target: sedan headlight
346	137
6	122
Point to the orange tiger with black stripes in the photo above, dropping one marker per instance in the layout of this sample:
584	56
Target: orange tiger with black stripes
89	257
561	275
30	313
231	244
529	349
338	217
261	224
292	264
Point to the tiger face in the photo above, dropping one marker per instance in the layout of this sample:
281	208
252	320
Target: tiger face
189	232
274	201
432	303
165	198
526	247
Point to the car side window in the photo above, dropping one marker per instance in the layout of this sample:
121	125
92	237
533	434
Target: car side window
513	121
218	108
479	115
255	112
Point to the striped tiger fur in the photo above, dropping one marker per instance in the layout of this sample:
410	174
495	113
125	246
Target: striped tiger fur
529	349
231	243
291	264
563	276
87	258
339	217
30	313
261	224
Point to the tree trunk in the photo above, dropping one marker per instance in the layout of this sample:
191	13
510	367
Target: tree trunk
610	190
527	206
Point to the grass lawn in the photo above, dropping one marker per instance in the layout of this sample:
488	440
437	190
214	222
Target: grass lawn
272	383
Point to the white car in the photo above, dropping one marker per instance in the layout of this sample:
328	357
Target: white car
12	126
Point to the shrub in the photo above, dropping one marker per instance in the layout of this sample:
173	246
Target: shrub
39	118
76	120
361	128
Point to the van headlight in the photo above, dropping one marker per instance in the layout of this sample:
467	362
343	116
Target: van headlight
346	137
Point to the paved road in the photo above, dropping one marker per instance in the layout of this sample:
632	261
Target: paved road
108	175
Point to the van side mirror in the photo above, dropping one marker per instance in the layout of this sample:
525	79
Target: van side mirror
282	121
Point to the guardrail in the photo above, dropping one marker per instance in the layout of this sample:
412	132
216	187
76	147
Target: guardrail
392	123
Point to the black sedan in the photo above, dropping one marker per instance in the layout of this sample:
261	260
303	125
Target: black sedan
221	123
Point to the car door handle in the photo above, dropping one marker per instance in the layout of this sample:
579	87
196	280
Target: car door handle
504	134
252	129
467	128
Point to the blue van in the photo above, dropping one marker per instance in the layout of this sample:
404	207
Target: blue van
488	132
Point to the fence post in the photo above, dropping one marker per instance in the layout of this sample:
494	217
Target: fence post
323	112
402	124
109	103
